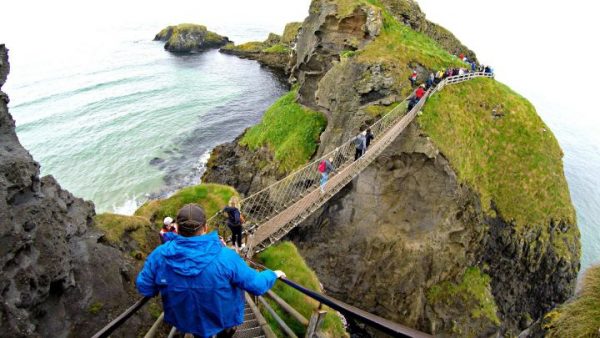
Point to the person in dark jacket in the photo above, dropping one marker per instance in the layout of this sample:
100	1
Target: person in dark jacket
234	221
360	143
201	281
368	138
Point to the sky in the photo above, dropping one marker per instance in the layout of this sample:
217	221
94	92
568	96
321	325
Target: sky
545	50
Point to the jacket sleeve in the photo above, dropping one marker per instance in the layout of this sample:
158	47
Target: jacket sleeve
145	280
257	283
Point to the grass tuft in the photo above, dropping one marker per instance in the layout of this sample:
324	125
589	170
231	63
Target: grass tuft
289	130
212	197
285	256
473	291
581	316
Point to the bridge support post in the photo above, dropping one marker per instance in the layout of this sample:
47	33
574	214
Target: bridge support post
316	319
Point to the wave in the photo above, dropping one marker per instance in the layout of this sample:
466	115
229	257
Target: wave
70	93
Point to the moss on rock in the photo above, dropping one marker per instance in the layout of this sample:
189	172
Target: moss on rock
498	144
285	256
290	32
580	317
188	37
212	197
470	300
290	130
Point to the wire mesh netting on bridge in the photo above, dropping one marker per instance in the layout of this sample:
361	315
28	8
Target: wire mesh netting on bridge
273	211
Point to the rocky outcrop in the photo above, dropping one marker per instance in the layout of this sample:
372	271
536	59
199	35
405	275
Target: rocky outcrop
235	165
276	52
409	12
56	277
402	226
190	38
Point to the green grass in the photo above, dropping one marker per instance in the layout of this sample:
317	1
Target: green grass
277	48
212	197
581	316
473	291
284	256
513	161
116	227
398	46
248	47
289	130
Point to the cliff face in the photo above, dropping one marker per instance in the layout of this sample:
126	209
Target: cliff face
56	278
447	232
276	52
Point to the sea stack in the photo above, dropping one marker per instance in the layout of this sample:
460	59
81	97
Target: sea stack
190	38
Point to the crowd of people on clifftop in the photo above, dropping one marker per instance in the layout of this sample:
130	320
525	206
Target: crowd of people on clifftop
434	78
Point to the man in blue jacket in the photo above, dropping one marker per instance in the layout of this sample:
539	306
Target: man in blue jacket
201	281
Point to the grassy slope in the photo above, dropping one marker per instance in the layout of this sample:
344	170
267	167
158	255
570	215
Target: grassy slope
398	46
212	197
581	316
290	130
513	161
284	256
473	290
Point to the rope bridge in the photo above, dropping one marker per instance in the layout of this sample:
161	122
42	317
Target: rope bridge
275	210
278	208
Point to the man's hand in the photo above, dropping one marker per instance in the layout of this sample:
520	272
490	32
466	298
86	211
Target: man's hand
279	274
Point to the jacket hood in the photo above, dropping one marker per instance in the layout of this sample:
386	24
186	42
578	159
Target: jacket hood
189	256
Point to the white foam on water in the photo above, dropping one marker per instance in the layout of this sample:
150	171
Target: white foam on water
128	207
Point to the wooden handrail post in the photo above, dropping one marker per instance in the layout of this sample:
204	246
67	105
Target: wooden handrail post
316	319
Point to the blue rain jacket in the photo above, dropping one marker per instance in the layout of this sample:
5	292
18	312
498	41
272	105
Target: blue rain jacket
202	283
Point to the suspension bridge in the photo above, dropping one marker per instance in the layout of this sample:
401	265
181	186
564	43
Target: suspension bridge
275	210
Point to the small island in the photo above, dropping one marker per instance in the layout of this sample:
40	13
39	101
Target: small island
190	38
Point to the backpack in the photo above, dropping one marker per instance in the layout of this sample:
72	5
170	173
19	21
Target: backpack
322	166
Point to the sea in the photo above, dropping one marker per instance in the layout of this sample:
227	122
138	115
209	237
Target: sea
118	120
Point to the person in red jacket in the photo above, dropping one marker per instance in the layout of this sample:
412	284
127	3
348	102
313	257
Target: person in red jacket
420	92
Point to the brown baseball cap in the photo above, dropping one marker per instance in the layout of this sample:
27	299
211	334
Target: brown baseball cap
190	218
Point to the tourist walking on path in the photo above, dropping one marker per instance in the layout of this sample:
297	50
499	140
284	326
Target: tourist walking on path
201	281
360	142
325	168
420	92
430	80
234	221
368	138
413	78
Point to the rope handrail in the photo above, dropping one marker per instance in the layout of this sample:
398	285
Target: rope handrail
380	323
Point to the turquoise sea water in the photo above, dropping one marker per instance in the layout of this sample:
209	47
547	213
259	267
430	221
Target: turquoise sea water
116	119
133	120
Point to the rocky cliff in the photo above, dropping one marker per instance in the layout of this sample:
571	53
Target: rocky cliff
276	52
464	226
190	38
57	278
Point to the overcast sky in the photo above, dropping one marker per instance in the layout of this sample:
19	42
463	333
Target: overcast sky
547	50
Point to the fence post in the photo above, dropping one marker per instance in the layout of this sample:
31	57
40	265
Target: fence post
315	322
